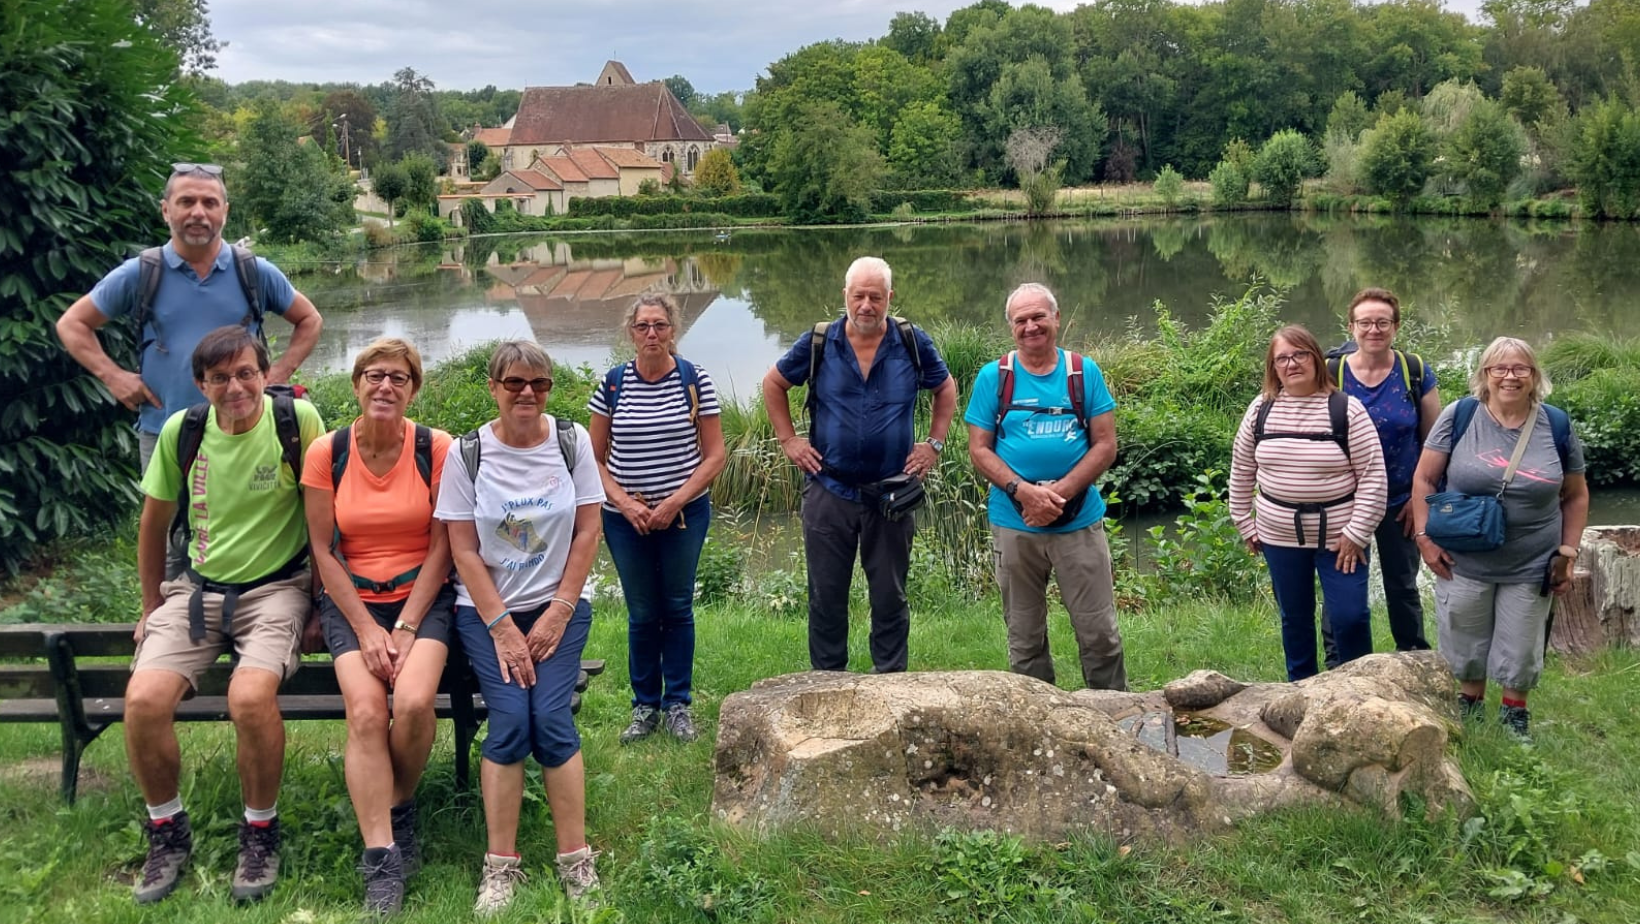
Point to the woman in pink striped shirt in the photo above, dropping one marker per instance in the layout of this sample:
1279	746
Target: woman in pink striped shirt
1313	455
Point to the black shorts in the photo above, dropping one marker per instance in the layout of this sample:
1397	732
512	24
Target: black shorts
435	626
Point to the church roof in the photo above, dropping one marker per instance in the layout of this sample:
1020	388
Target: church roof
603	114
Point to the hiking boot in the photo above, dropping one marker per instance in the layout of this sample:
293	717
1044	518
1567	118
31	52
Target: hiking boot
383	871
404	836
1470	710
579	875
495	891
170	844
645	719
680	722
258	867
1516	720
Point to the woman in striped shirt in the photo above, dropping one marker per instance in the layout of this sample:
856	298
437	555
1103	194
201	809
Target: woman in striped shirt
658	439
1314	456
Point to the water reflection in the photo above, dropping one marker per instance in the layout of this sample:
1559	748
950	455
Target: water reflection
748	298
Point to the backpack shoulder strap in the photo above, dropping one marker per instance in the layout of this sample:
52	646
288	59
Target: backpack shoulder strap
189	436
1560	424
612	386
1461	417
150	269
1338	411
471	453
424	454
690	380
1005	389
289	431
567	443
908	336
1412	369
1262	418
341	447
817	349
250	281
1076	386
1335	369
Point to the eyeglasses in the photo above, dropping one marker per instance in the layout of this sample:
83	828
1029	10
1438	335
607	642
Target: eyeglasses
1374	323
205	169
1294	358
248	374
659	327
1518	371
516	385
377	376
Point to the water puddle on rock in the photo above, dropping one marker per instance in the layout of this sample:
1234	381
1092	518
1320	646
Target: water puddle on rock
1204	743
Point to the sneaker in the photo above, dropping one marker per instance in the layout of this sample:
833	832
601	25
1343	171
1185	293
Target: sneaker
579	874
1517	720
645	719
1470	710
170	844
680	722
258	867
404	836
501	876
383	871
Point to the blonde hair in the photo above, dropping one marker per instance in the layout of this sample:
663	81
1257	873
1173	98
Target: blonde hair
1480	384
389	348
1301	339
519	352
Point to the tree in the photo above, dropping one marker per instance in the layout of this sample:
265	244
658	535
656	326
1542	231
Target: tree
825	166
1283	163
292	191
361	117
477	153
1349	116
96	119
185	27
422	173
1605	159
1484	153
1169	185
1529	96
682	89
412	119
1396	156
1229	184
914	35
716	175
390	182
922	150
1030	152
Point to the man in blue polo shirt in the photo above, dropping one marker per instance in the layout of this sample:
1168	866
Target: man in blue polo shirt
1042	446
199	291
863	403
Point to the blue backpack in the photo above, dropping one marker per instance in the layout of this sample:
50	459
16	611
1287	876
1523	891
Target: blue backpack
1560	424
687	377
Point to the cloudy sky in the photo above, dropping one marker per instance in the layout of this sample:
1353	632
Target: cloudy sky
718	46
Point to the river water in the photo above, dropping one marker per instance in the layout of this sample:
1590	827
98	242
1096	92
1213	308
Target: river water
746	298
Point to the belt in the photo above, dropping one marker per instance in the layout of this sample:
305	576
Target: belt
1310	507
230	594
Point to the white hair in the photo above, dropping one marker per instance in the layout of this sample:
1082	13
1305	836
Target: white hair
1031	288
876	266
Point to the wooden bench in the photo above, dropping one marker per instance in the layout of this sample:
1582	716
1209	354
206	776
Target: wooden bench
53	684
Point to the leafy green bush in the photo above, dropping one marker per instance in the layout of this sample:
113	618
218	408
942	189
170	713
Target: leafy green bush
1229	184
1396	156
1205	555
95	120
1169	185
425	227
745	205
1282	164
923	200
1605	410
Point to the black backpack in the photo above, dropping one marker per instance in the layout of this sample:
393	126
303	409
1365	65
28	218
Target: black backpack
151	269
1338	413
192	434
817	350
341	448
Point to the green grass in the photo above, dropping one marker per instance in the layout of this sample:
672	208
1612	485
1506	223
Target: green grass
665	860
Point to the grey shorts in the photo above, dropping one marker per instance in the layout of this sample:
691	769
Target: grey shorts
1492	631
435	626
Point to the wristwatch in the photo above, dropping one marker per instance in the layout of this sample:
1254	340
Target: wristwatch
401	624
1011	488
939	445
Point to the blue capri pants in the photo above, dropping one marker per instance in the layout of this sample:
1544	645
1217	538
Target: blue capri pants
536	721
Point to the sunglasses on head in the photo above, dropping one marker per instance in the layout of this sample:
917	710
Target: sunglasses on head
186	169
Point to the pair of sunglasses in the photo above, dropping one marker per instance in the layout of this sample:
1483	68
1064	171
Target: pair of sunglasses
185	169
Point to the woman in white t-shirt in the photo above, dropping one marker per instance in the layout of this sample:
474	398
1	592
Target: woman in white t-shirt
521	501
658	438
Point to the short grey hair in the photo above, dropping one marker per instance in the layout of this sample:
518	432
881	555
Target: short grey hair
1030	288
876	266
1481	386
509	353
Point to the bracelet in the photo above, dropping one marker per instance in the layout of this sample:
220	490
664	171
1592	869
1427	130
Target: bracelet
401	624
794	436
1419	534
567	603
504	615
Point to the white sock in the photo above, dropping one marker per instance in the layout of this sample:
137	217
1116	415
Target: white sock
262	815
162	812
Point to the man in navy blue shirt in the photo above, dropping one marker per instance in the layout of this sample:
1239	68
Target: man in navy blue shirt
864	399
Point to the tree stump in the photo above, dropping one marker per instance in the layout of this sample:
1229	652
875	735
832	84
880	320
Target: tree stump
1599	611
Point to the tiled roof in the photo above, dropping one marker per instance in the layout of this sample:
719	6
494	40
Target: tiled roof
536	179
593	164
629	157
589	115
493	137
565	169
616	69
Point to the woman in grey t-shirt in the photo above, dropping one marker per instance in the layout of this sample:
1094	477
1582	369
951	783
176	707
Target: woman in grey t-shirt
1493	607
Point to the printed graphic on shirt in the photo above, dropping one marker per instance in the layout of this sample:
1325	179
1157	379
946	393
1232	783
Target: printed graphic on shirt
520	534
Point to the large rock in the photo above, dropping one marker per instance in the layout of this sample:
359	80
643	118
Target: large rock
981	749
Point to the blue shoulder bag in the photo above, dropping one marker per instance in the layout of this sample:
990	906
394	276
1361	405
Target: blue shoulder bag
1461	522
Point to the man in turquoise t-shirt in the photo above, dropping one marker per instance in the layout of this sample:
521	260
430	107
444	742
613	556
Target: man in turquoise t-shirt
1042	449
246	588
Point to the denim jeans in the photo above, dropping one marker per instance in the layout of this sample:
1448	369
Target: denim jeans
1399	560
658	578
1293	574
